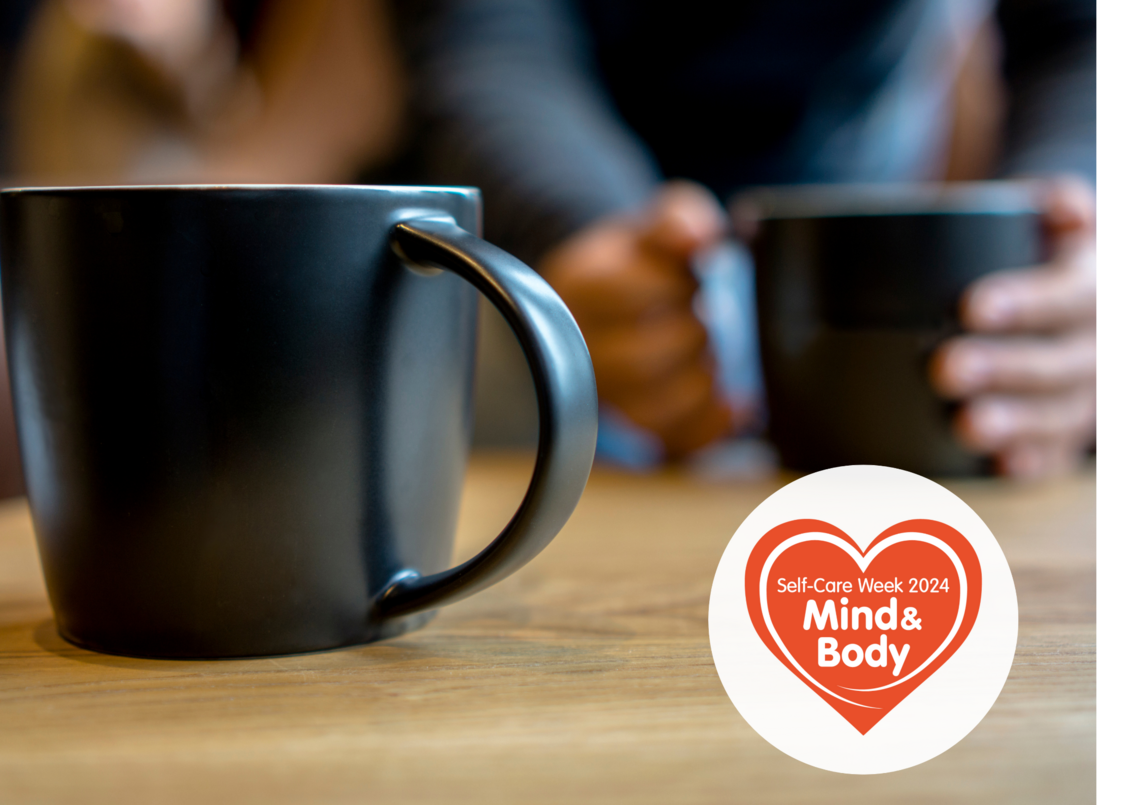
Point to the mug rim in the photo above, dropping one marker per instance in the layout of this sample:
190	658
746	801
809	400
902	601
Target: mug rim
464	190
861	200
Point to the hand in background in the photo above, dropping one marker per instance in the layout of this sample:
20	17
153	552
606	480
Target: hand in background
176	35
628	282
1026	370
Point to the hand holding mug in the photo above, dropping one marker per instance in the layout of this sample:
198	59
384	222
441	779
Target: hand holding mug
628	282
1026	369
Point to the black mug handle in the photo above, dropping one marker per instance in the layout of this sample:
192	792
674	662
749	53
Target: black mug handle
567	410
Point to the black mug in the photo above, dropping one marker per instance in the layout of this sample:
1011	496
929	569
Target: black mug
244	412
856	286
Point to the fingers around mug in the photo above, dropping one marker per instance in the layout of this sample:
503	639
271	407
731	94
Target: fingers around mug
1069	204
1045	298
970	364
674	408
620	282
684	218
632	356
991	422
1030	460
708	423
567	408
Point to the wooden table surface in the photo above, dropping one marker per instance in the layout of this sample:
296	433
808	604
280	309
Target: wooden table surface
586	676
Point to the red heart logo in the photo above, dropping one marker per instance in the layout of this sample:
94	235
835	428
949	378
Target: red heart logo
863	629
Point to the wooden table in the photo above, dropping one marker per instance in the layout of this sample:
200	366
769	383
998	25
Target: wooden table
585	677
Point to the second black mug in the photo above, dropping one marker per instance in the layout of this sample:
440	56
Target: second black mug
857	285
244	411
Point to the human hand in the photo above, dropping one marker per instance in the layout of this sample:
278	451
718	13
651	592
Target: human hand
189	42
1026	369
628	282
172	32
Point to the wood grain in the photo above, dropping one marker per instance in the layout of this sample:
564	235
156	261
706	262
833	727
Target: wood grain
585	676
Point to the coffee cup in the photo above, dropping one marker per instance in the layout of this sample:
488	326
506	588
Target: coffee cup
856	286
244	411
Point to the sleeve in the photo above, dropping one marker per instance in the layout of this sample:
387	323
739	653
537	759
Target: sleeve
505	98
1050	65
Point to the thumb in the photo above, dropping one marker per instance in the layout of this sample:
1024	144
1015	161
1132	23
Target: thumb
1069	204
684	218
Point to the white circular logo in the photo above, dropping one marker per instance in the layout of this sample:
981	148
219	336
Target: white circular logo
863	619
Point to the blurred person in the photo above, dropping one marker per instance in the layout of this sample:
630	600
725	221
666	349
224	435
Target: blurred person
135	91
198	91
605	133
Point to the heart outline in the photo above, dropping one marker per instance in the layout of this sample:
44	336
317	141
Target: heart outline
863	561
960	549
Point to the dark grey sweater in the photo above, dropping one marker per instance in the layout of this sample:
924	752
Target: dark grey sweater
563	112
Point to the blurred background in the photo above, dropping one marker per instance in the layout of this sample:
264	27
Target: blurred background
607	138
199	91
